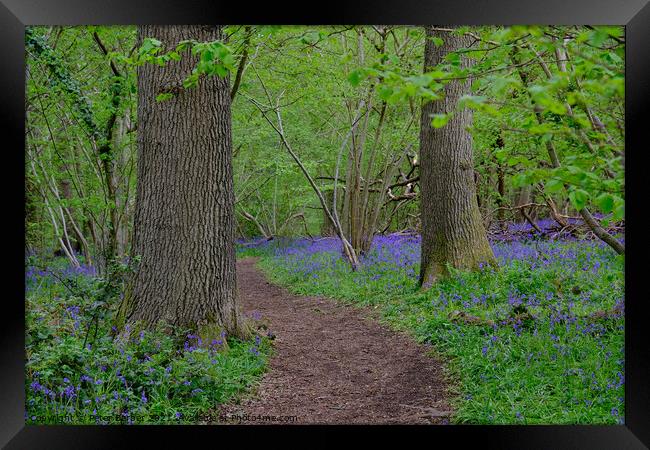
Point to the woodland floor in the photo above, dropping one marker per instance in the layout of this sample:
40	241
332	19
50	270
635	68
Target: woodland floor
334	363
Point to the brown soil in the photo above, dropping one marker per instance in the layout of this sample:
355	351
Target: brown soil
334	364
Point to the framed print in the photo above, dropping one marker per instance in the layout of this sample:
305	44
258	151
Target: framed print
399	214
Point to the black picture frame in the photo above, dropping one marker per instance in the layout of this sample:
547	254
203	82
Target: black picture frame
634	14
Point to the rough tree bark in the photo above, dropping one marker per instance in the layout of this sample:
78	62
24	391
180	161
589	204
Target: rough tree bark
452	230
184	224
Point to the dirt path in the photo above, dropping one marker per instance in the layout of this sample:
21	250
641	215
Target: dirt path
333	364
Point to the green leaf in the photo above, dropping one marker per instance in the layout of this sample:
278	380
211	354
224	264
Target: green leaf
553	186
614	58
409	90
438	74
311	37
153	42
385	92
578	198
221	70
191	80
619	209
437	41
164	96
556	107
605	202
440	120
228	61
547	137
501	154
149	47
421	80
598	36
207	55
355	77
453	58
471	101
573	98
513	161
520	180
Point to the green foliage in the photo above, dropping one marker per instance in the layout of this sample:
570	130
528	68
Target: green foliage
320	85
137	377
520	86
78	115
440	120
164	96
321	74
214	58
524	102
536	348
355	77
578	198
60	77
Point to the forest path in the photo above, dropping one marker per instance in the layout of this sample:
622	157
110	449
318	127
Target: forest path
334	364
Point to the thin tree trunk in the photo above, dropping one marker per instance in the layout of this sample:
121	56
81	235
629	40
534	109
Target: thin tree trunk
107	155
248	30
327	226
501	189
501	185
452	229
66	195
184	225
367	232
522	199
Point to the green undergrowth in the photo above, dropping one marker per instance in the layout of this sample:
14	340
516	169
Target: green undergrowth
79	371
538	341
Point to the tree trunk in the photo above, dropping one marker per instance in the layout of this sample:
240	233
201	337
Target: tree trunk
327	227
501	189
522	199
184	224
501	185
75	239
452	230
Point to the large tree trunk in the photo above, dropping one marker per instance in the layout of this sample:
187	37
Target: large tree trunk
184	222
452	230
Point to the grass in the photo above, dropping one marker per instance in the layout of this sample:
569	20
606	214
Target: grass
528	343
78	372
540	340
